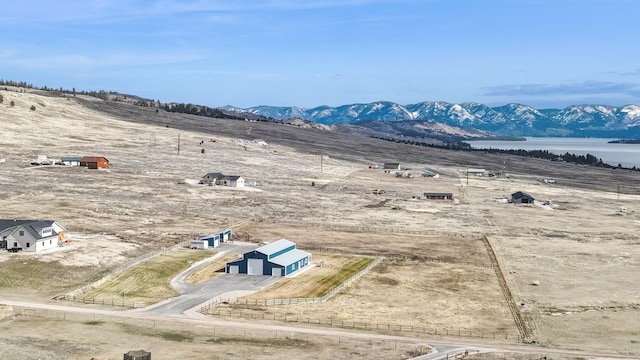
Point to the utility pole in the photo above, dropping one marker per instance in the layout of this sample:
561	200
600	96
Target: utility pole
178	143
321	155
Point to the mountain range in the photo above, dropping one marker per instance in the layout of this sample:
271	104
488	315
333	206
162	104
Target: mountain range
508	120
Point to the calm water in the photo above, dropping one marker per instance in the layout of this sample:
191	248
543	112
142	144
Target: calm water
627	155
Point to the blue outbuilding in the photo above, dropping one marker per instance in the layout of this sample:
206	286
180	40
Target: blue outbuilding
214	240
279	258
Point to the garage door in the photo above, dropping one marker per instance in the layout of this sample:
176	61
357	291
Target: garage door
234	269
276	271
254	267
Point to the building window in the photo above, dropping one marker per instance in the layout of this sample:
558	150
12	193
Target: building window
28	244
21	232
15	244
49	242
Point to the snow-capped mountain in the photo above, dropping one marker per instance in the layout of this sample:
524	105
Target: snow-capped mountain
507	120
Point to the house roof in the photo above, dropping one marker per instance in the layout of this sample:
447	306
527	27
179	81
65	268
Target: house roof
33	227
92	158
438	194
521	195
234	177
275	246
70	158
290	257
214	175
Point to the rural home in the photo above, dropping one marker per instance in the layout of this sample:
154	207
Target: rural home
521	197
476	172
279	258
71	160
30	235
94	162
430	174
391	166
438	196
224	180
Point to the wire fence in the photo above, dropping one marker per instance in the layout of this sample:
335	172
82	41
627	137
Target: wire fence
363	325
291	301
186	330
115	272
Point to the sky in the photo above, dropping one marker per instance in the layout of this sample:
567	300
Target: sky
308	53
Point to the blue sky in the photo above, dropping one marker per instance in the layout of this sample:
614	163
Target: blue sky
307	53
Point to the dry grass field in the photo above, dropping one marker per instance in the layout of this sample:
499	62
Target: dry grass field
317	281
210	270
148	281
572	266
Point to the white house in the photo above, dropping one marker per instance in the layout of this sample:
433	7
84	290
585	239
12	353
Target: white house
30	235
224	180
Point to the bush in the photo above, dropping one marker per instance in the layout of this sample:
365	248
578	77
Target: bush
1	99
12	103
33	108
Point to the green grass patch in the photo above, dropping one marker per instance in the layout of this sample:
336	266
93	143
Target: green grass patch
148	281
46	277
318	281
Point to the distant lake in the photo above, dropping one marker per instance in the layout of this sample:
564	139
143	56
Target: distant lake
627	155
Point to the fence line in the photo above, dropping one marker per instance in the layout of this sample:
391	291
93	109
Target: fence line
290	301
402	328
525	333
75	293
377	229
394	257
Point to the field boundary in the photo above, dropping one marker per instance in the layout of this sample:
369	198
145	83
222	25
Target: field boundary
525	333
120	269
290	301
352	324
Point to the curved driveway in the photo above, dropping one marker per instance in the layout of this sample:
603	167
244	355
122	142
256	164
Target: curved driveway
224	286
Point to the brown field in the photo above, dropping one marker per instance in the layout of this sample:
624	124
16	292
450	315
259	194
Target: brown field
210	270
317	281
147	282
572	267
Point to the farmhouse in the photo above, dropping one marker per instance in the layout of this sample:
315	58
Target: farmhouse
224	180
30	235
94	162
438	196
71	160
430	174
279	258
521	197
476	172
391	166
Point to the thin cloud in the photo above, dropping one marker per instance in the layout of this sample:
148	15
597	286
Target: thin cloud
570	89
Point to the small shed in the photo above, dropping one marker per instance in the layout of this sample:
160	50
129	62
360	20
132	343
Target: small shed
430	174
212	240
71	160
94	162
137	355
522	197
476	171
199	244
438	196
391	166
279	258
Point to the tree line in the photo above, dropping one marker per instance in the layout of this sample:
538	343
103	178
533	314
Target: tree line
587	159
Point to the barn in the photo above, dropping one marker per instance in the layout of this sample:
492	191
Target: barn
94	162
279	258
438	196
521	197
214	240
71	160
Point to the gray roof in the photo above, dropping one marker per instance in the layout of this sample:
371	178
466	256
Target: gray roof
520	195
438	194
214	175
290	257
31	226
275	246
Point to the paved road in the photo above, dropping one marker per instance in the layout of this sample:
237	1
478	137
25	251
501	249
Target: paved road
223	286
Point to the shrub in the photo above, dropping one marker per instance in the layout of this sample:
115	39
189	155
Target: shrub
12	103
33	108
